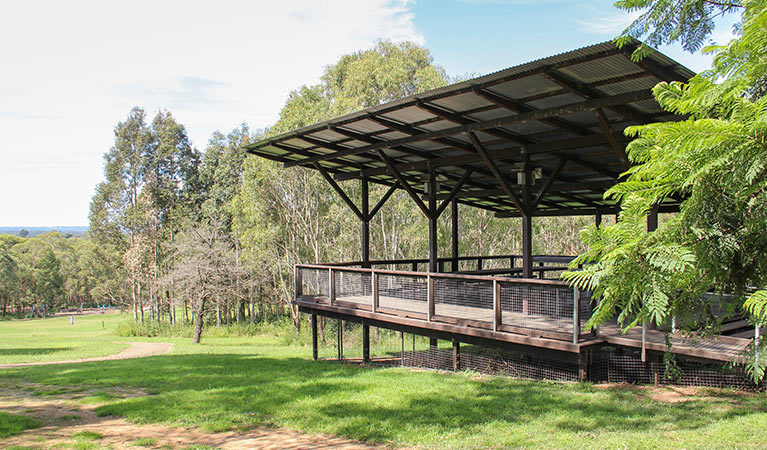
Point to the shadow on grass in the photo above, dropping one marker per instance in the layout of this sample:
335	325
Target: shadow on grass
33	350
219	392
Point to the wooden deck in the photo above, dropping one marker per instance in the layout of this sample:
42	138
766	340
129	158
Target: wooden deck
531	330
718	348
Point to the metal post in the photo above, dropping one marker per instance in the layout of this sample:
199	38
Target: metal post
432	223
598	219
365	224
527	246
576	315
314	337
365	343
402	351
454	241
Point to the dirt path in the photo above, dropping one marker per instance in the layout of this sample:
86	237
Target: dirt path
136	350
63	418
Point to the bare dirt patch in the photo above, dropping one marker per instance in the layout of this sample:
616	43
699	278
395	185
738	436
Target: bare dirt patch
136	350
63	417
666	394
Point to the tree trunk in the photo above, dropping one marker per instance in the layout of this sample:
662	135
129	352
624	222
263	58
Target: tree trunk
198	322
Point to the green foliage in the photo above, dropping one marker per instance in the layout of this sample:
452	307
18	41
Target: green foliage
667	21
716	161
11	424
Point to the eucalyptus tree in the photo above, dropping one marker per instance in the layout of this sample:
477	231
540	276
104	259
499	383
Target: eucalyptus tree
286	216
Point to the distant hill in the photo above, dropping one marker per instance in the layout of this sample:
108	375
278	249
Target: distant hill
34	231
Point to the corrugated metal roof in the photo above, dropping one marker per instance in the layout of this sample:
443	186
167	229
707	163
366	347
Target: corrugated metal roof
544	107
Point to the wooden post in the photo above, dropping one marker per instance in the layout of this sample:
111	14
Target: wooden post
331	286
429	298
340	337
374	291
432	343
644	341
365	343
497	312
314	337
415	267
454	228
576	314
456	355
298	283
583	365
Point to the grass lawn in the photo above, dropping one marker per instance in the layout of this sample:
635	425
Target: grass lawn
54	339
238	383
11	424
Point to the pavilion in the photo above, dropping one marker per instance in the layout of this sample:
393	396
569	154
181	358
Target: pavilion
543	138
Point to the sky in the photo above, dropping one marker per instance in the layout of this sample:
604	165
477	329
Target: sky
70	71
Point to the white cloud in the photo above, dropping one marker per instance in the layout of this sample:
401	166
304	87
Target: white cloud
609	23
72	70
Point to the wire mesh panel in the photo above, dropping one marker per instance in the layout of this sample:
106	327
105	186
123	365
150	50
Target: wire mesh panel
402	292
353	287
314	282
539	307
463	299
629	368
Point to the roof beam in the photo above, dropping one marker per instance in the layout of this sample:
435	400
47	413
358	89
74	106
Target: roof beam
383	200
479	126
519	107
461	120
547	184
496	173
618	149
403	182
453	192
340	192
508	153
588	92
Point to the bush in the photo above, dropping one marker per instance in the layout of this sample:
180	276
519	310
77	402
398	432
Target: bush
280	328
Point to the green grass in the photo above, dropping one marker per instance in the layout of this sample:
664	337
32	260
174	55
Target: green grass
54	339
240	383
87	436
144	442
11	424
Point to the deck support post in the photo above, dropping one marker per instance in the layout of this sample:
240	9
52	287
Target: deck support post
598	219
583	365
340	339
365	344
456	355
314	337
527	246
432	344
454	240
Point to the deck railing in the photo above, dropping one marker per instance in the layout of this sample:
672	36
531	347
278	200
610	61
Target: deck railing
506	265
534	307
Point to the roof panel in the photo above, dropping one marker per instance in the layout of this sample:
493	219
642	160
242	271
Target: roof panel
553	126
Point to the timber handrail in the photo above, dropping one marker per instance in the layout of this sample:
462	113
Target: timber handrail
461	276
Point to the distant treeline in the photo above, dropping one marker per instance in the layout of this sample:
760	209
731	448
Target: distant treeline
36	231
